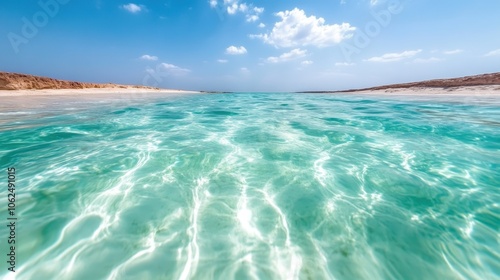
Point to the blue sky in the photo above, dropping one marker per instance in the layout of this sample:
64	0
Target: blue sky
250	45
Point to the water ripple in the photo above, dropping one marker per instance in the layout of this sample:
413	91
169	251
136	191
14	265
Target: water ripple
256	186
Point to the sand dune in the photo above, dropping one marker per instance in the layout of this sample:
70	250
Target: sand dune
15	81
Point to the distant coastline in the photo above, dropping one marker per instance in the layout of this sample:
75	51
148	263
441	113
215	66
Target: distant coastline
17	81
487	82
24	84
16	84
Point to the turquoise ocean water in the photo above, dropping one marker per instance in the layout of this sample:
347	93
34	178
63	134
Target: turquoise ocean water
253	186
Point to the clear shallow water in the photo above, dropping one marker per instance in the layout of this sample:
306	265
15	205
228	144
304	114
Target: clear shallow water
255	186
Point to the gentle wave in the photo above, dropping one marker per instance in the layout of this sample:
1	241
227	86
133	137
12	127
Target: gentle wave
257	186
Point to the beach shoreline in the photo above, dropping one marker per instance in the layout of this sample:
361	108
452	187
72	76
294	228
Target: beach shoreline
14	84
486	90
89	91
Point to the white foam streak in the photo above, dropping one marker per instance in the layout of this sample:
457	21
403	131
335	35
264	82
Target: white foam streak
406	157
469	227
244	213
288	262
320	173
193	250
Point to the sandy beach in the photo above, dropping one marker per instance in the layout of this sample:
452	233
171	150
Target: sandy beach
487	90
478	85
16	84
87	91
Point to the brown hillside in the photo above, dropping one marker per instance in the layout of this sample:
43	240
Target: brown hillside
14	81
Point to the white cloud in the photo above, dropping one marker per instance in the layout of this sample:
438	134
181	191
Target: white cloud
133	8
149	57
391	57
258	10
254	14
244	70
293	54
306	62
222	60
233	7
252	18
233	50
166	70
457	51
297	29
344	64
427	60
261	25
172	69
493	53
